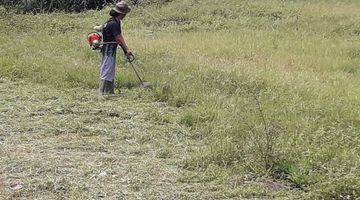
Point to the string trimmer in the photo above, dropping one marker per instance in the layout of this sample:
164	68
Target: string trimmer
143	84
95	42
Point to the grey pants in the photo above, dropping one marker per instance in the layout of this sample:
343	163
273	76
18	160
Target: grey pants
107	69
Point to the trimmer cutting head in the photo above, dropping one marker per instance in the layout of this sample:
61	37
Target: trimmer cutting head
145	85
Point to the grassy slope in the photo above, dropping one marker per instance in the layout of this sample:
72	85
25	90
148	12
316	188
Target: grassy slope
269	87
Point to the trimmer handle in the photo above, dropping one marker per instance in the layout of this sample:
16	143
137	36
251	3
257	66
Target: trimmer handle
130	58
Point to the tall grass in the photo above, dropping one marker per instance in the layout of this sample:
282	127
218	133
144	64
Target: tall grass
271	87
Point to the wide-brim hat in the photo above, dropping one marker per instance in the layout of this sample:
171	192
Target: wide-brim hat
122	7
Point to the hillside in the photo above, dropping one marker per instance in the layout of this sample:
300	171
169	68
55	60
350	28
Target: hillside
252	99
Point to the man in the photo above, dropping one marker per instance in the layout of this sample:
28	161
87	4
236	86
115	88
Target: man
112	37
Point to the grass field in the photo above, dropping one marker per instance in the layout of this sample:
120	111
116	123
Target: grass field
252	99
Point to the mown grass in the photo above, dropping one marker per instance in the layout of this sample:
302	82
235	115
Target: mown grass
268	87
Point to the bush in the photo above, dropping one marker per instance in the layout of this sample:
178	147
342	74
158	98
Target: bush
36	6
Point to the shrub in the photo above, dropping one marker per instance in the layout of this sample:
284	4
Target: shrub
37	6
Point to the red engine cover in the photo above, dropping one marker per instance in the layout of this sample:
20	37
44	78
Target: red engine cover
94	38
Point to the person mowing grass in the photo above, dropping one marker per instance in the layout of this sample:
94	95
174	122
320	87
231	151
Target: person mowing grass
112	37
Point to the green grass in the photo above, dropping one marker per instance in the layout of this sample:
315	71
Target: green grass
266	88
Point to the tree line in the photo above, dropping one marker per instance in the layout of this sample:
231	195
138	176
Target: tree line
39	6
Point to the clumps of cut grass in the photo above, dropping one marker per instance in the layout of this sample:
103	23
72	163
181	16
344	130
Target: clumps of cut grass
165	151
160	117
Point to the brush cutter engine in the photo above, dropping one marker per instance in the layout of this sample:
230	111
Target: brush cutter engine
95	40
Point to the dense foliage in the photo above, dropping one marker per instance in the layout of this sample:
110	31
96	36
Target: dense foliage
39	6
53	5
36	6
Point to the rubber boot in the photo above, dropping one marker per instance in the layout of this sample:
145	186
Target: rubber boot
109	87
102	87
112	87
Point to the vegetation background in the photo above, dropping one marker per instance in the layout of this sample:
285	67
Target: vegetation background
251	99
